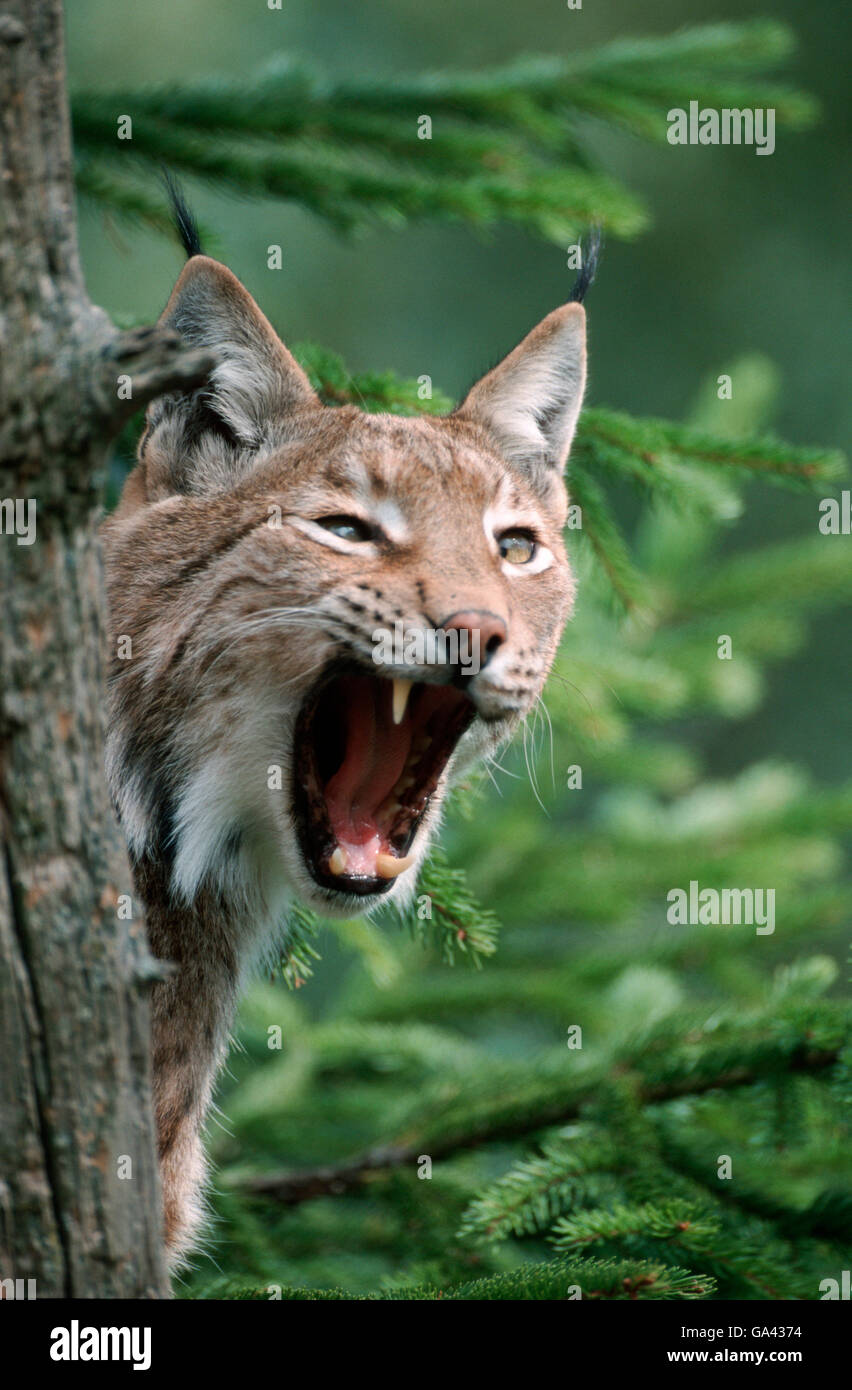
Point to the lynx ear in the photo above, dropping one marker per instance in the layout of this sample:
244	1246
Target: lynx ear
200	439
530	401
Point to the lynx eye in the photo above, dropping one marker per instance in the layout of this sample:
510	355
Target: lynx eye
349	528
516	547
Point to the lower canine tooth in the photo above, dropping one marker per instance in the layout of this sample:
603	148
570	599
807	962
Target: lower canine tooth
401	692
388	866
337	862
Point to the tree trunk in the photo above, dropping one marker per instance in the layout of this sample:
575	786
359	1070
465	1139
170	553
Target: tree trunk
79	1193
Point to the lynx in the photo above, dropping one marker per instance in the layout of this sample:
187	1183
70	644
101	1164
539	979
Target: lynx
256	751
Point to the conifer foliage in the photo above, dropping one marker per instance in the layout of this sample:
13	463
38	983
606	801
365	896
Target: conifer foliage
510	144
616	1105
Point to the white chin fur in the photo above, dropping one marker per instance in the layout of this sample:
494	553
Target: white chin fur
267	870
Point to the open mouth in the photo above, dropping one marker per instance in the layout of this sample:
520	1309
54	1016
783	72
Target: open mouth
369	753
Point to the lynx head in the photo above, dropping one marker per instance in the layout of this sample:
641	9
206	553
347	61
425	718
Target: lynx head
299	594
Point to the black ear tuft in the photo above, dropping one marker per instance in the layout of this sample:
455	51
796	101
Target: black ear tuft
185	223
591	255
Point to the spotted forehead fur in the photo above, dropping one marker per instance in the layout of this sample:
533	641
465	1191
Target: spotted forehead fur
375	457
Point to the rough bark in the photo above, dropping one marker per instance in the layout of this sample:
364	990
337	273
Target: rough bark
74	975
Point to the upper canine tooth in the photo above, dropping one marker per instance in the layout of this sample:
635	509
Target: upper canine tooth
388	866
401	692
337	862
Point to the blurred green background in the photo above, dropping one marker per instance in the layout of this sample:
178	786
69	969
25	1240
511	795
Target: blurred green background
745	254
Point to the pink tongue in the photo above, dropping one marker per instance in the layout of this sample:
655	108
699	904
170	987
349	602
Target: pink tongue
376	750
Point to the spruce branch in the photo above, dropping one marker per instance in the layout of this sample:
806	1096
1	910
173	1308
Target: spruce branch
508	144
376	392
650	453
566	1172
675	1222
511	1105
630	1280
445	911
300	953
601	533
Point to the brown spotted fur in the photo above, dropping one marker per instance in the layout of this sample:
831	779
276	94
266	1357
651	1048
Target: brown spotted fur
205	702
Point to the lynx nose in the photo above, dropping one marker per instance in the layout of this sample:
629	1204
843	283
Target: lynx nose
485	633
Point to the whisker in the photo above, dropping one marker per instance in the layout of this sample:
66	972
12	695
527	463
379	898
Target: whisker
492	760
496	785
546	713
267	619
557	675
531	771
